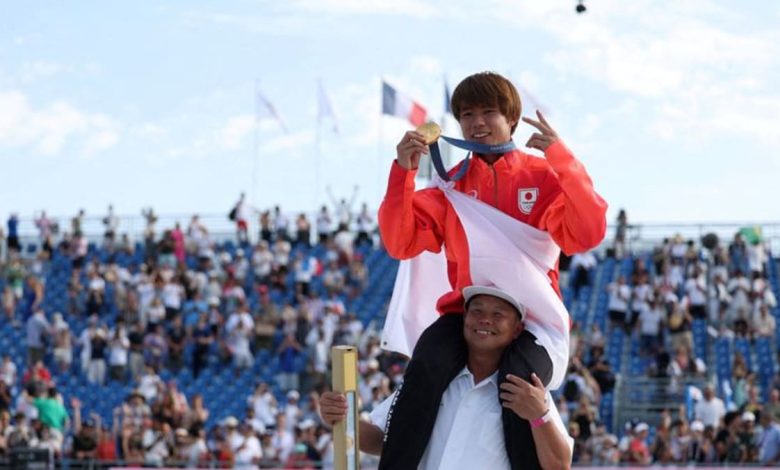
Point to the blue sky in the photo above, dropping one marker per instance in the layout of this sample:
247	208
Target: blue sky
672	106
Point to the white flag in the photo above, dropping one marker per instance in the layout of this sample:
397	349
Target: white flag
325	108
264	110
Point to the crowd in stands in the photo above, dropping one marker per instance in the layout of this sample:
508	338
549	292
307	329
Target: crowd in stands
182	300
668	290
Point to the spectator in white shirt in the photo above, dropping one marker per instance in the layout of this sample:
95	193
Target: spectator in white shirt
710	410
619	296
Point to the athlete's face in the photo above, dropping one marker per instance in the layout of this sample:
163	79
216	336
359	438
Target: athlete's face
485	124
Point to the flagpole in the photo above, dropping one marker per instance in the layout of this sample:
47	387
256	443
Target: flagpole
378	191
255	145
318	163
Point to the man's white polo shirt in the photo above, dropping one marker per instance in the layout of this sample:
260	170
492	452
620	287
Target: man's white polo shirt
468	432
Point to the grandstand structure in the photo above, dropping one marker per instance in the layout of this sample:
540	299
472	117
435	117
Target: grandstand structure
636	396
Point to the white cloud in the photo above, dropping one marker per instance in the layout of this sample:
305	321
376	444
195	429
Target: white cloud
278	24
49	129
370	7
232	135
37	69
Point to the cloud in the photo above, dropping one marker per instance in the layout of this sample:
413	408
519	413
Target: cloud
275	24
37	69
50	129
695	77
232	135
409	8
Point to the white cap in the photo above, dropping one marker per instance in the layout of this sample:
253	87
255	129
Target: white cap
697	426
230	422
641	427
306	424
748	416
293	394
472	291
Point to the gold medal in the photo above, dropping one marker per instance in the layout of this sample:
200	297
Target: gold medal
431	131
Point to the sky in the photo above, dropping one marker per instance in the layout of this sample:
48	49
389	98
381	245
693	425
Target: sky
673	107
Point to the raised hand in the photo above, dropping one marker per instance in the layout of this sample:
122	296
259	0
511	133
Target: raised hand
410	149
545	137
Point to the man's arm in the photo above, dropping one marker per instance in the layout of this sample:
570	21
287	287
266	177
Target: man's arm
333	408
576	219
530	401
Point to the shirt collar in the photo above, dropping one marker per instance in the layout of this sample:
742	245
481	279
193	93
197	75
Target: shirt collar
466	373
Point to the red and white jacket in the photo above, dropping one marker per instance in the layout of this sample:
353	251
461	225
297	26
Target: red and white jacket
553	194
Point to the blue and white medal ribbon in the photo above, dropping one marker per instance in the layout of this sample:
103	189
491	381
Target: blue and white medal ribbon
474	147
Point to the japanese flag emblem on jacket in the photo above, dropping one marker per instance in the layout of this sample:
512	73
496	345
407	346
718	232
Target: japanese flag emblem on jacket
526	198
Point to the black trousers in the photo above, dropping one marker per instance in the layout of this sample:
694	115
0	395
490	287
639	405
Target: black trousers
440	354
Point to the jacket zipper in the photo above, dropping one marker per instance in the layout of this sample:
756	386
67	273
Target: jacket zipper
495	186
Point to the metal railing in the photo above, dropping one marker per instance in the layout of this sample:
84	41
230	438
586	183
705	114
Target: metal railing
640	237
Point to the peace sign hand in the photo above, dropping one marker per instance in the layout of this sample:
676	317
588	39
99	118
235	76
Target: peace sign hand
541	141
527	400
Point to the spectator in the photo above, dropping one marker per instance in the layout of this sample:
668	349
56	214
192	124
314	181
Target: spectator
157	441
581	266
97	361
710	410
288	352
769	441
196	453
118	354
263	402
63	343
619	297
155	348
9	304
239	330
638	452
111	223
343	208
136	361
51	411
282	440
365	227
621	231
203	338
281	224
37	376
8	372
324	225
177	340
38	328
12	240
85	433
96	287
651	320
196	416
173	406
6	401
303	230
266	227
249	451
240	215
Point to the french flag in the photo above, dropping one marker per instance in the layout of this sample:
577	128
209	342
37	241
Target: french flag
400	105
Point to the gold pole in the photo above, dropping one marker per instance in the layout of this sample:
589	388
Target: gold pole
346	454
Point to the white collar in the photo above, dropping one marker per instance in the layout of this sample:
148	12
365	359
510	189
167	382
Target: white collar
465	372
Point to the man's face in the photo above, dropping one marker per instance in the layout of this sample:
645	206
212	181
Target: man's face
490	323
485	124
